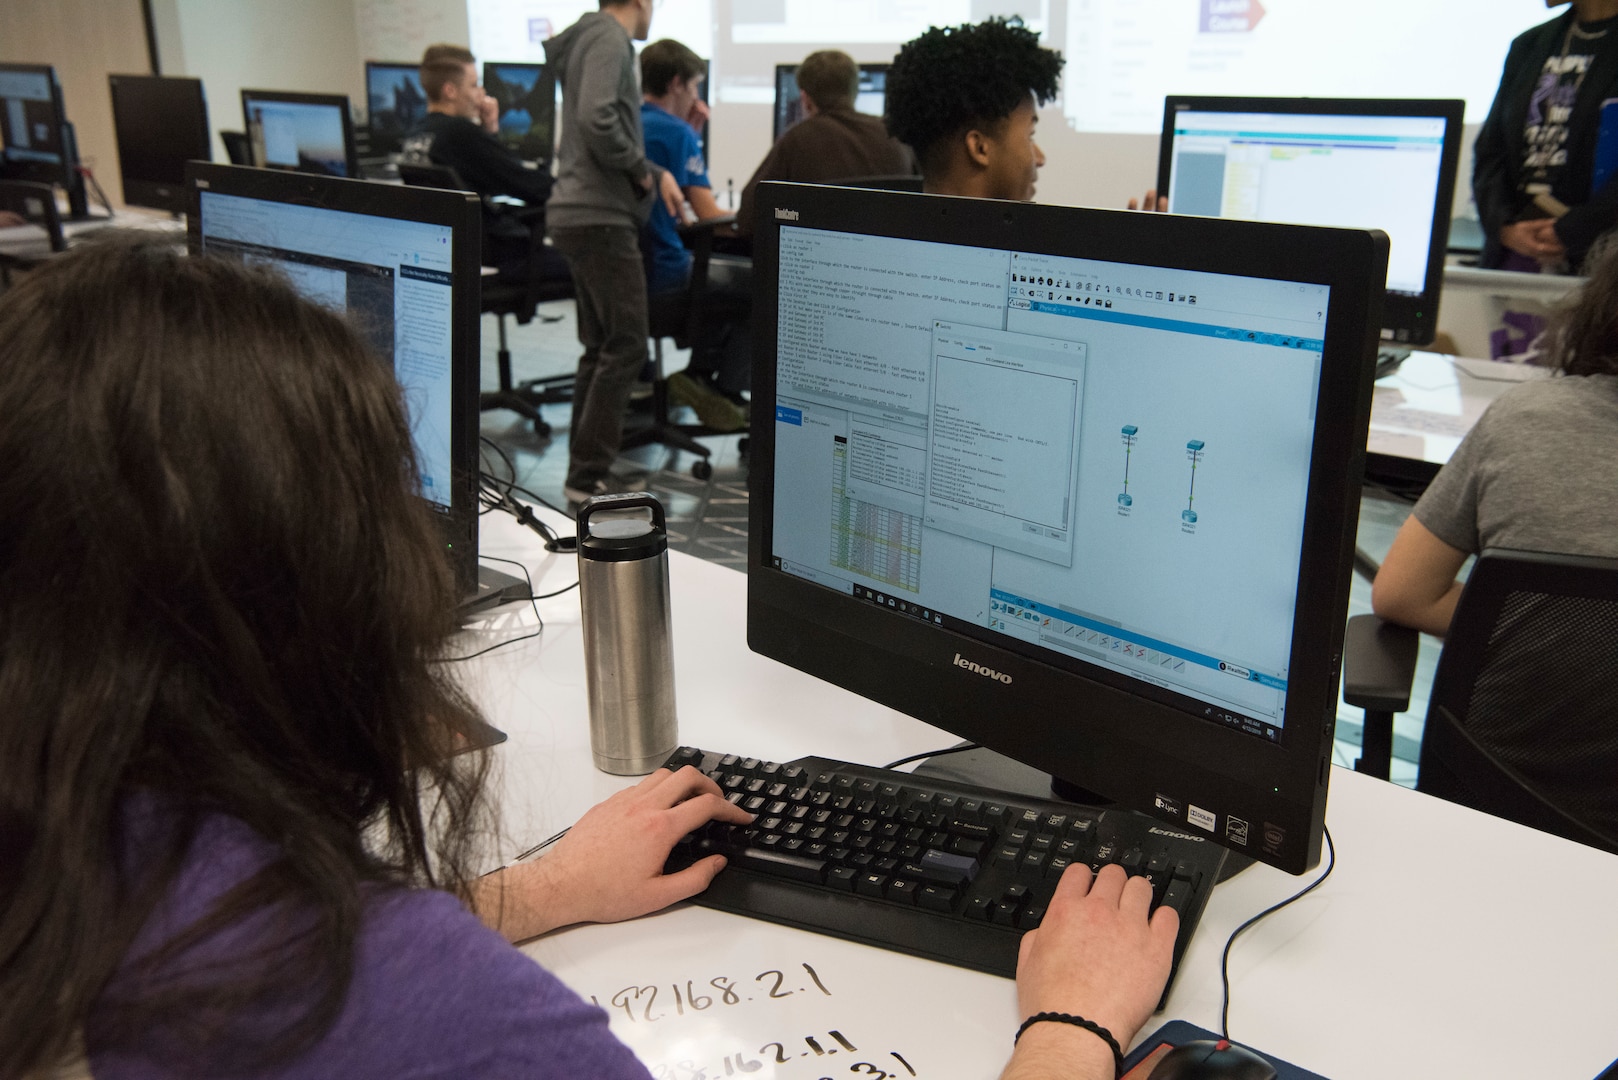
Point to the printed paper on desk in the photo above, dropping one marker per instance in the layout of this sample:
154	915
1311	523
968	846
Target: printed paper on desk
703	995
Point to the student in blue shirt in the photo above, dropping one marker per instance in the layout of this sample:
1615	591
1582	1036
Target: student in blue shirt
672	113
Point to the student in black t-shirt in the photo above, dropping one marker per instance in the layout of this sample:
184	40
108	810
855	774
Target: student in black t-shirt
459	132
1533	166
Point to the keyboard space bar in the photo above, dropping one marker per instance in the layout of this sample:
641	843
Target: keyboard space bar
779	863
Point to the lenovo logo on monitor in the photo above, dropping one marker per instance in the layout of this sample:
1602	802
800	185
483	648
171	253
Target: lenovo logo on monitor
988	673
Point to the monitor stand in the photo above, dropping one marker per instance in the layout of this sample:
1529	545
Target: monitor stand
985	768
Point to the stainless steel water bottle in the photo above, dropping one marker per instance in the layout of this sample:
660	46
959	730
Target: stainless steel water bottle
628	648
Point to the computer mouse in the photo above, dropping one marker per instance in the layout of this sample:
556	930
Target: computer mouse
1205	1059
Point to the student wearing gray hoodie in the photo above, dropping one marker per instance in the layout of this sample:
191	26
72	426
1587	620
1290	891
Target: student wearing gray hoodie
603	194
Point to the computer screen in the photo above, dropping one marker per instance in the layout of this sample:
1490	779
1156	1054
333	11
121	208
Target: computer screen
1356	163
34	139
526	94
1078	485
870	99
309	133
394	103
401	262
160	124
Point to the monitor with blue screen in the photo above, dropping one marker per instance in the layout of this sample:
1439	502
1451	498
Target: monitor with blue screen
394	103
310	133
870	99
526	95
1351	162
1077	485
402	263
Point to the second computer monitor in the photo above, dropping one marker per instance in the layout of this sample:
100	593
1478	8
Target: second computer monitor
1353	162
311	133
160	124
394	101
526	95
35	143
870	100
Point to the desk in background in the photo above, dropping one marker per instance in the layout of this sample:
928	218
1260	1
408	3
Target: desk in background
1420	413
1445	944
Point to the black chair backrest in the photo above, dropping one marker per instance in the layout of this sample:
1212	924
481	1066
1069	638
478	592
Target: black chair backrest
36	205
894	182
422	174
1523	717
679	316
236	147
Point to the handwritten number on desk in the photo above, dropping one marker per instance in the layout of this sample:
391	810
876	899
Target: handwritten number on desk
637	1002
778	1053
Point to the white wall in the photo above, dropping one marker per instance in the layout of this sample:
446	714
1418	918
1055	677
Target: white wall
305	45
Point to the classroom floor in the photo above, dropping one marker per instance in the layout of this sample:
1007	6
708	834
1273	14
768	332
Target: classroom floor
708	519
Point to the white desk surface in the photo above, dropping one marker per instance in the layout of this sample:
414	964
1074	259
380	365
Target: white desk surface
1445	944
1422	411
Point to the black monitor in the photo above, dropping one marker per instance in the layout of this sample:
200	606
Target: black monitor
160	124
526	94
394	103
36	141
402	261
309	133
1078	485
1351	162
870	100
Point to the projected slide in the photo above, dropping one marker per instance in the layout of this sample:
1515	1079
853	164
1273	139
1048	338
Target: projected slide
1124	56
504	30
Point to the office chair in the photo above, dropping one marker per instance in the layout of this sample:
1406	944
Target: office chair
36	205
237	149
517	299
1523	719
681	317
893	182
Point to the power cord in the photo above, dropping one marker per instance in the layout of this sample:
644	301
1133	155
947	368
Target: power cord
85	172
933	753
539	628
1224	961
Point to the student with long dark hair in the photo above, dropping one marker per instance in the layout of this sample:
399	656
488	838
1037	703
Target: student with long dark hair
233	837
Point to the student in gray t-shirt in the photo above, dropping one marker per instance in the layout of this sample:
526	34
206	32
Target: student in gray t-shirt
1535	473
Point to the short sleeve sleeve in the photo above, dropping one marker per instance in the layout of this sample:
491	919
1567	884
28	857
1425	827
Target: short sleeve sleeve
1449	507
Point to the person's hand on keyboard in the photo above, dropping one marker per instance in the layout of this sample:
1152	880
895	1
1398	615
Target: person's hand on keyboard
1096	956
609	866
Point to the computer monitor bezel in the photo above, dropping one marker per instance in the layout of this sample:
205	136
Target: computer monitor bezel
374	137
781	107
161	194
1122	745
528	148
63	173
460	211
1406	320
351	158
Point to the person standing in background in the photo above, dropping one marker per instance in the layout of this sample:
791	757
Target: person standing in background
605	187
1534	163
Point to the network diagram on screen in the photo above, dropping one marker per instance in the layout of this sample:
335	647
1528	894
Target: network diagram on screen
1102	461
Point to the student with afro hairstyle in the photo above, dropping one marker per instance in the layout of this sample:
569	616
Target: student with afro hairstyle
965	99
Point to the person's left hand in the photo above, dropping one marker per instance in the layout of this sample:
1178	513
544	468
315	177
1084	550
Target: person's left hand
9	220
1150	201
609	866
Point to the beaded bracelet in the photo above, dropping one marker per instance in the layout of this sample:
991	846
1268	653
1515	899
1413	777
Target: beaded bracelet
1078	1021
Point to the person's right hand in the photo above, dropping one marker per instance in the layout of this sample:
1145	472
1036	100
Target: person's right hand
1150	201
1098	955
1536	239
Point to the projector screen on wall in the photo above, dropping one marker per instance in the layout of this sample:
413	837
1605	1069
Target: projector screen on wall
1123	56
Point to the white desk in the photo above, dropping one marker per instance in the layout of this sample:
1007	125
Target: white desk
1420	413
1446	943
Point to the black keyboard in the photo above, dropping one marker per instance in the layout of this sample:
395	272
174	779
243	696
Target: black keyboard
937	869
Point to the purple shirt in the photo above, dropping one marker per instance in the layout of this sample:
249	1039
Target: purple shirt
435	993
